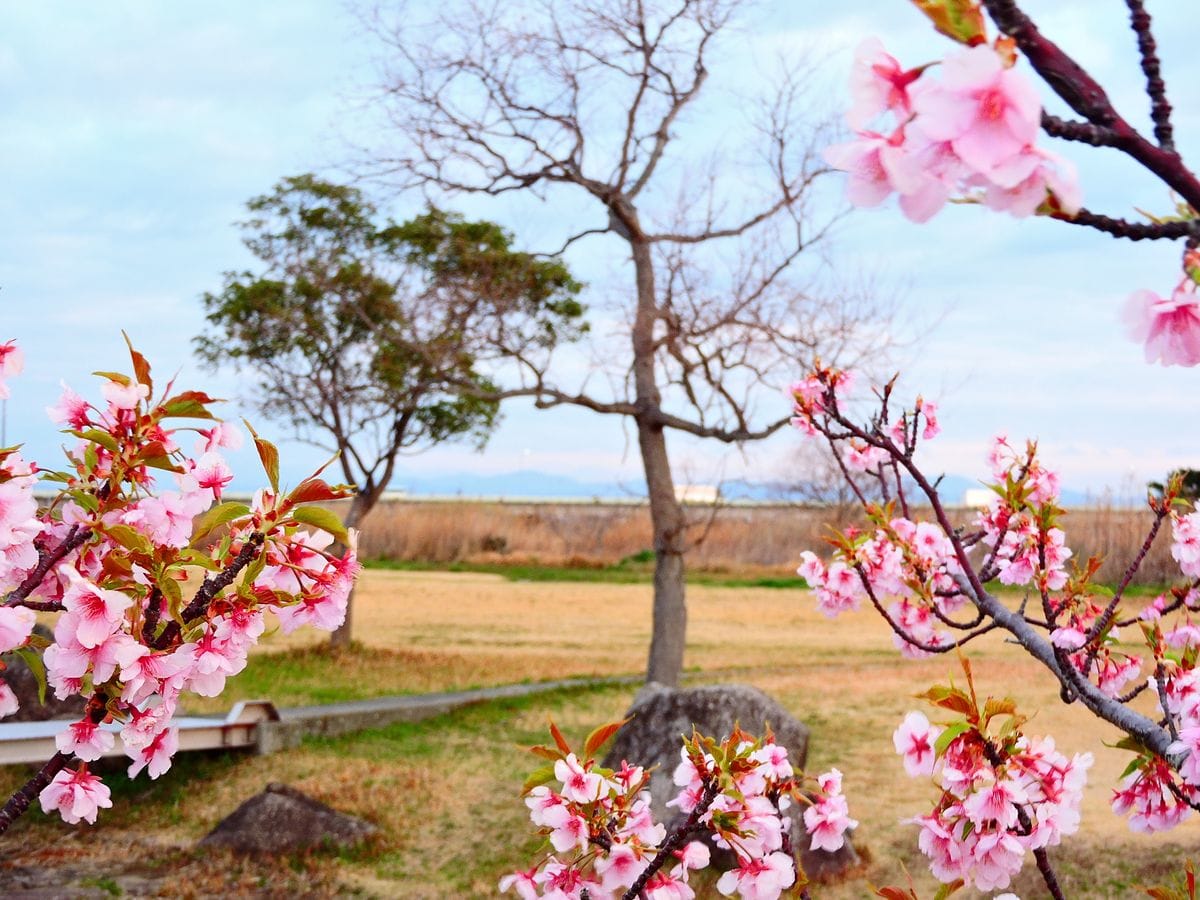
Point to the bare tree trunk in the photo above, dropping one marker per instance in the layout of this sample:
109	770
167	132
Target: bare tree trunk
359	507
669	629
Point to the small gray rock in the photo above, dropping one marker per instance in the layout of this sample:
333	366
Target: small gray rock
283	820
661	716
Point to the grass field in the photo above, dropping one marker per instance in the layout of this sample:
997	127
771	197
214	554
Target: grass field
444	791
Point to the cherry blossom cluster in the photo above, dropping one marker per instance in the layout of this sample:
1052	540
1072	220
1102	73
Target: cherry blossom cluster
963	128
934	579
1168	327
606	843
1001	794
159	587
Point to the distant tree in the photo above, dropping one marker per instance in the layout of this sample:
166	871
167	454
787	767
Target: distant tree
1189	484
370	337
593	105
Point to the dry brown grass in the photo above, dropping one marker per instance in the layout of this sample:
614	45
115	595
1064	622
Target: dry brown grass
733	539
444	791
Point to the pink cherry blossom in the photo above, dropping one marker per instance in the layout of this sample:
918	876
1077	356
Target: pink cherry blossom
223	434
878	84
8	700
828	819
1185	547
759	879
12	361
928	409
1170	328
579	785
914	740
85	739
524	884
95	612
154	757
167	518
619	867
71	410
989	113
16	624
1037	176
212	474
77	795
124	396
878	166
571	834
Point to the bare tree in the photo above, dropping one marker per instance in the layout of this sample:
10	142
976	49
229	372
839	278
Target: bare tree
593	105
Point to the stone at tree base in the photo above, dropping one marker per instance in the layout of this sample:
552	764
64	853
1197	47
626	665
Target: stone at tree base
25	685
662	715
283	820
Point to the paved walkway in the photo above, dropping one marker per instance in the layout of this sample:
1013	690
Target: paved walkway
333	719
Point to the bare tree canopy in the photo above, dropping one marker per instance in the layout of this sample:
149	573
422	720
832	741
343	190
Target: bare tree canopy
595	108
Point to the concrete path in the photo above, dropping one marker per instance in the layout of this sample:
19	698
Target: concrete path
334	719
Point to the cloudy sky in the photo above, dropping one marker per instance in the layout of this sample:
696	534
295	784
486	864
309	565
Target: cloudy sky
131	133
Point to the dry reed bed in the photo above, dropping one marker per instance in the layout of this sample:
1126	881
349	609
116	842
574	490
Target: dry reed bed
727	539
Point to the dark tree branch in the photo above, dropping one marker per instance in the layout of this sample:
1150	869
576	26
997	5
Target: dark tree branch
210	587
1133	231
1156	88
1084	94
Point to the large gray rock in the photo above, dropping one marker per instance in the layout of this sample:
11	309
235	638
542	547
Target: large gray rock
25	685
283	820
661	716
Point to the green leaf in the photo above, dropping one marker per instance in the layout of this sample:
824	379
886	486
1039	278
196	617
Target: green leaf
130	538
948	736
189	405
97	436
538	776
1134	764
947	889
269	455
33	659
216	516
161	462
119	378
961	20
252	571
322	518
173	595
85	499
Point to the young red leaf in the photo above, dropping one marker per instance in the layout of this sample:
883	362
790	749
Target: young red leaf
559	740
314	490
269	455
600	737
961	20
141	367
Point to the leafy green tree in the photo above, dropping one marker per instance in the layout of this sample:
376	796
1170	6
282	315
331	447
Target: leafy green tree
1189	484
371	337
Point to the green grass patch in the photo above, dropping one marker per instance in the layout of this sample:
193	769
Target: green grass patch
632	570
